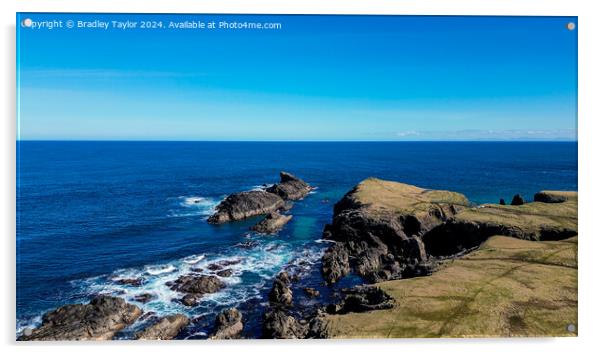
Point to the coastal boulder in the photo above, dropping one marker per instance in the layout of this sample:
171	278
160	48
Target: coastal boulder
290	187
378	227
279	324
197	284
239	206
272	223
100	319
228	324
164	329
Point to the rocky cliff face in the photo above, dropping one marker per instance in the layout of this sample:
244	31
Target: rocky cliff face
98	320
378	228
387	230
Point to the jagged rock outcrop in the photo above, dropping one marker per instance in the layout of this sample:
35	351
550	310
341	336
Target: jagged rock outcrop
100	319
378	227
228	324
272	223
165	328
290	187
281	293
536	221
239	206
362	299
279	324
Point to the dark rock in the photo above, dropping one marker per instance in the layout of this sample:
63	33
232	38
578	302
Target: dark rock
290	187
164	329
502	201
318	328
129	281
553	196
214	266
190	300
364	298
517	200
197	284
144	298
243	205
335	263
272	223
98	320
279	324
311	292
225	273
228	324
247	244
378	228
281	292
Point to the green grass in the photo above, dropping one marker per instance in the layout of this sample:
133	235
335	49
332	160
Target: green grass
509	287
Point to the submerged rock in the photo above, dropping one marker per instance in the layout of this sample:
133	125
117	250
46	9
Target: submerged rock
272	223
197	284
311	292
129	281
228	324
290	187
244	205
98	320
144	298
378	227
164	329
225	273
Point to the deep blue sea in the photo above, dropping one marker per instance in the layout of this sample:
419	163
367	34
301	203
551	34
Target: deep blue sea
90	212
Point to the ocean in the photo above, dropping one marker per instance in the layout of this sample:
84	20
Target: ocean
92	212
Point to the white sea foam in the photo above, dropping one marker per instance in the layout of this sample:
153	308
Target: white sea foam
193	206
194	259
160	269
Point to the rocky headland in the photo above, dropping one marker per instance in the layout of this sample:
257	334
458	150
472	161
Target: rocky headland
483	259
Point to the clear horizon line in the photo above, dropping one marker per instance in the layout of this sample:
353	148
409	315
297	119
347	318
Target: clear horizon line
309	141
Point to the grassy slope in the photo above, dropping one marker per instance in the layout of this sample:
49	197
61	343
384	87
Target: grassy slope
509	287
386	196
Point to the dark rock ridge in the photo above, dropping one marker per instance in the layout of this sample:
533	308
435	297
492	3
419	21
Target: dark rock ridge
290	187
272	223
239	206
548	218
100	319
228	324
362	299
244	205
378	228
165	328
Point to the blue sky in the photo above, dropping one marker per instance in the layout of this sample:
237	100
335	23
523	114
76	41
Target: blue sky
317	78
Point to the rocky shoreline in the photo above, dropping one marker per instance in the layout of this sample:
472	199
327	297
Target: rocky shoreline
381	231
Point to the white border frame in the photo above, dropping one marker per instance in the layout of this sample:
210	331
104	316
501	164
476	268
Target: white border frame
590	57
